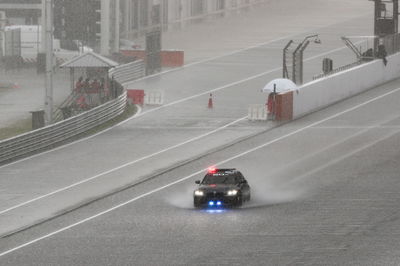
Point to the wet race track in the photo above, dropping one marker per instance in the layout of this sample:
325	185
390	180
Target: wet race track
324	187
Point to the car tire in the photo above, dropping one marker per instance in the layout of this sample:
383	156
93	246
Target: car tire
196	204
239	201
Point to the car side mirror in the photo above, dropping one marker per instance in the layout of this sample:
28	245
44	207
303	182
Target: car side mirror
197	182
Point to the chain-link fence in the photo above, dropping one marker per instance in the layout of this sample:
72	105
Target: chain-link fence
391	43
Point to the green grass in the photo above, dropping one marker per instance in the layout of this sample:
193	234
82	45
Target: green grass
25	125
15	129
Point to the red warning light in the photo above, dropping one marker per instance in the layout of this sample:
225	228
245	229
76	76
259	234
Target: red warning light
212	170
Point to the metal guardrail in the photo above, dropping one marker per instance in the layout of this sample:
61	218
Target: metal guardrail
50	135
58	115
128	72
39	139
337	70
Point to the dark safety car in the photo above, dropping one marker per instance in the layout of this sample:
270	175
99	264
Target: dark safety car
221	187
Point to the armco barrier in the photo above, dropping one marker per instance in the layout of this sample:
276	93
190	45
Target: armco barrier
50	135
323	92
63	130
128	72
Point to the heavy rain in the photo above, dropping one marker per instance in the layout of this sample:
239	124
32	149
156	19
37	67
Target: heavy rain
113	111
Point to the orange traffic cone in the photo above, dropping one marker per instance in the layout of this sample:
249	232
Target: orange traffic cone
210	102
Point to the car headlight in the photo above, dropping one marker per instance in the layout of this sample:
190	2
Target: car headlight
232	192
198	193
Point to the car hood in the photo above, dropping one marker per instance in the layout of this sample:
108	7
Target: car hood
218	188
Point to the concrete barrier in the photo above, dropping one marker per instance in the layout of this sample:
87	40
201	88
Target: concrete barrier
323	92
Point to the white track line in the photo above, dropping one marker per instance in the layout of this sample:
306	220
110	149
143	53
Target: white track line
177	101
215	57
122	166
196	173
156	153
248	48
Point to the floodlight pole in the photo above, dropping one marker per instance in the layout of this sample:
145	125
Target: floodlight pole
41	45
48	16
299	50
285	73
296	62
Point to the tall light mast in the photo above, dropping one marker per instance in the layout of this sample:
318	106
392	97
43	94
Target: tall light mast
48	31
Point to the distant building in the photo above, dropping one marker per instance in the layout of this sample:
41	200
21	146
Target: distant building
138	16
100	23
26	12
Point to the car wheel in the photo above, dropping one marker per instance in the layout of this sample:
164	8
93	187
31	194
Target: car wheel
239	201
196	205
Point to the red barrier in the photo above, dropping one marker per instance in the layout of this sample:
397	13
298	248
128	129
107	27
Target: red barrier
168	58
172	58
284	106
139	54
136	96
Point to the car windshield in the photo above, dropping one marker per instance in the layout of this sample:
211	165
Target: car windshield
219	178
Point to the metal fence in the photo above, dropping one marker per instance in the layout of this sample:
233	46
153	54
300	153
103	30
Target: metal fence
42	138
391	43
121	74
50	135
337	70
128	72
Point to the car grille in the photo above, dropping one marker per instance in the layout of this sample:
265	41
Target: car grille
215	194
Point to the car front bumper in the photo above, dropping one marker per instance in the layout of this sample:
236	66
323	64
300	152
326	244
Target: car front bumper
225	200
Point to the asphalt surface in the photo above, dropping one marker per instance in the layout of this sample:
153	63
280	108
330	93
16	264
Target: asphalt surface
325	192
159	138
324	186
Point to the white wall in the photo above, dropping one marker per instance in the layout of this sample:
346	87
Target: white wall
323	92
